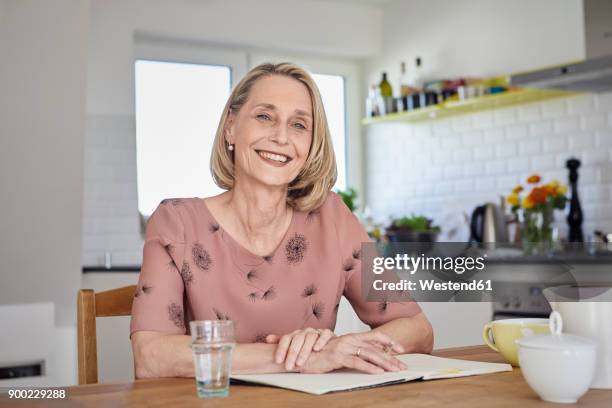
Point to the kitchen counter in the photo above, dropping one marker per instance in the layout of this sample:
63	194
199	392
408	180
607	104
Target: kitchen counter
507	389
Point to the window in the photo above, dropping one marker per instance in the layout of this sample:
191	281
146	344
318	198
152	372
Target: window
178	107
331	88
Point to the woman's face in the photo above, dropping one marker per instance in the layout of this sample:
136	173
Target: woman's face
272	132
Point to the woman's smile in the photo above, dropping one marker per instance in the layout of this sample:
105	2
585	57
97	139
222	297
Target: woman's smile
273	158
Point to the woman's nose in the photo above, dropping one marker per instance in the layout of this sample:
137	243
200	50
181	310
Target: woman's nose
279	135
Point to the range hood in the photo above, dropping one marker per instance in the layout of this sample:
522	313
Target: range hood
592	75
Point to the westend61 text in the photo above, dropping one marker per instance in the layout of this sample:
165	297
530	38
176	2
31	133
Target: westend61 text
431	284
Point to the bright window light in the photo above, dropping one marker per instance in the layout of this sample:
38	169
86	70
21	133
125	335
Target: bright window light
331	88
178	107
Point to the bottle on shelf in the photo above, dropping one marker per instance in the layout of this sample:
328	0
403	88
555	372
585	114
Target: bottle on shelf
574	216
386	92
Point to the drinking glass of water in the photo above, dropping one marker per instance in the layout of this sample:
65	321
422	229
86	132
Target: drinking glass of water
212	345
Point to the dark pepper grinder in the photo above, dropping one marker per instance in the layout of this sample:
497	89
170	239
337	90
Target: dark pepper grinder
574	218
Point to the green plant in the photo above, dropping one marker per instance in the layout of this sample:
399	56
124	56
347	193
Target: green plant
415	223
349	196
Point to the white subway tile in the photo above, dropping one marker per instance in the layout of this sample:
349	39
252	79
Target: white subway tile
529	112
464	185
473	169
529	146
462	123
442	156
604	102
493	135
556	143
451	141
432	173
581	141
441	127
483	120
518	164
595	156
422	130
554	108
543	162
582	104
472	138
505	150
503	117
566	124
495	167
540	128
595	193
603	138
443	187
594	122
462	155
505	184
516	132
483	152
452	171
485	184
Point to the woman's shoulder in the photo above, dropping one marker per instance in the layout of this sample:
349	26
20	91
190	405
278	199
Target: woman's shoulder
172	215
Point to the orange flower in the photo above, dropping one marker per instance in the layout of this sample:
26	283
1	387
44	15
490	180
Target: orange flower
517	189
513	199
534	179
538	195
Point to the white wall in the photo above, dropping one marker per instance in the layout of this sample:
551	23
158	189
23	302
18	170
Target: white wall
464	38
42	123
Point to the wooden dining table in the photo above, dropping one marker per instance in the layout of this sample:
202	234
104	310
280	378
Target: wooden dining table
506	389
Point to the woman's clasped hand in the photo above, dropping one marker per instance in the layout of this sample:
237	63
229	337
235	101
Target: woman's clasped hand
320	350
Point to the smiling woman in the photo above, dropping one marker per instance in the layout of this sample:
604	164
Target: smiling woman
275	252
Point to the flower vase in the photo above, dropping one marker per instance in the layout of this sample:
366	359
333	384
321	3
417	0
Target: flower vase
537	231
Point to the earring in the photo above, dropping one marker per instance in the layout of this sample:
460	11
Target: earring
230	147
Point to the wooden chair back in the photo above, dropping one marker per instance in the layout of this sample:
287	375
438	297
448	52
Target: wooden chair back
90	305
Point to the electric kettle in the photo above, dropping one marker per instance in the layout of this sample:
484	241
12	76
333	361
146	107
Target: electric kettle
488	224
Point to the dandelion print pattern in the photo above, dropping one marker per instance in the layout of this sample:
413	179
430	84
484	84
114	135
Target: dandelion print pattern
252	275
253	296
201	257
348	265
336	307
220	315
295	249
186	274
382	306
317	310
260	338
169	249
144	289
356	253
175	314
269	294
173	201
214	227
309	290
268	258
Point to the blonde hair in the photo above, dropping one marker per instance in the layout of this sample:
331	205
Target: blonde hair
311	186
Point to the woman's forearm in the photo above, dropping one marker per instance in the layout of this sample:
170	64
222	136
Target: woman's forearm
415	334
159	355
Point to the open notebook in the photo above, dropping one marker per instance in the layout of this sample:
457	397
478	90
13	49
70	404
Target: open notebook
420	366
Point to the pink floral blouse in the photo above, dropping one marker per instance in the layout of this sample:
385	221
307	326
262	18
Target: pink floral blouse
193	270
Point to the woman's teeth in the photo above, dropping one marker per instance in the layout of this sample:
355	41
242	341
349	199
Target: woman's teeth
275	157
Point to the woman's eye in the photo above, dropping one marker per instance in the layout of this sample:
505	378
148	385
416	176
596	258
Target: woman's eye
263	116
300	126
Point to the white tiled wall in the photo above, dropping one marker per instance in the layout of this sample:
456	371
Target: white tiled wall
443	166
110	209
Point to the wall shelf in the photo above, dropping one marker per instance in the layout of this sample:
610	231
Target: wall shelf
471	105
